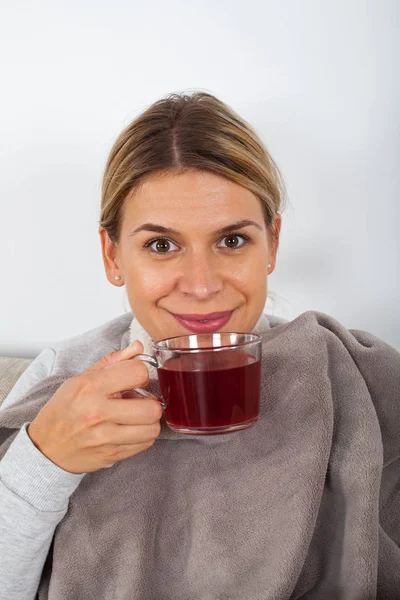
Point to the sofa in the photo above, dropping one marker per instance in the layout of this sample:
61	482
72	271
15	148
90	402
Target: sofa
11	370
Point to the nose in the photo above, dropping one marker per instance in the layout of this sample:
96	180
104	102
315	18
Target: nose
201	276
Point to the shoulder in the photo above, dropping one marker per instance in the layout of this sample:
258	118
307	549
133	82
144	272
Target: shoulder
359	367
72	355
275	321
37	370
312	330
77	353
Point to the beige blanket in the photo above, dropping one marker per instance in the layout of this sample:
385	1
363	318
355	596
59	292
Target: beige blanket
305	504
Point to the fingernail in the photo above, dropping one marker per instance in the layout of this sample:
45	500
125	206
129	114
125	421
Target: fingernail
133	346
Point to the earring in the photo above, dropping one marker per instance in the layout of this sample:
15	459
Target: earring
117	277
269	265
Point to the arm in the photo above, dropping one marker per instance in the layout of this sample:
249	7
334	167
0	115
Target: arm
34	494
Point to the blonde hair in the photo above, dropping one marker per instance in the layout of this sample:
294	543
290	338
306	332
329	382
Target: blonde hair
188	131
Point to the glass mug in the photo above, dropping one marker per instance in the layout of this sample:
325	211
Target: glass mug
210	382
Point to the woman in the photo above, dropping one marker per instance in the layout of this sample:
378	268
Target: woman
101	500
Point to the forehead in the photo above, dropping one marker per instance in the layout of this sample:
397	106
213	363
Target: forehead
189	197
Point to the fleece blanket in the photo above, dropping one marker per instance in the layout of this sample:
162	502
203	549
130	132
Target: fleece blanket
304	504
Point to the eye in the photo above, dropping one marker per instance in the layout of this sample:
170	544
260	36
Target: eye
162	245
232	240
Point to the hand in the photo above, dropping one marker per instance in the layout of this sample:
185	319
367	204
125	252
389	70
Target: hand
87	425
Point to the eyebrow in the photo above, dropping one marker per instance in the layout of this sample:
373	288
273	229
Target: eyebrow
161	229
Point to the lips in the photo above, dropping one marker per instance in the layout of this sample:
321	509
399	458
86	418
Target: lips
207	317
206	323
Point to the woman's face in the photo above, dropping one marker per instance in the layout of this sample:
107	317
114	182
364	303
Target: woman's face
181	252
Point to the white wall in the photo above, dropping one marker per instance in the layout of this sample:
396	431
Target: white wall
319	82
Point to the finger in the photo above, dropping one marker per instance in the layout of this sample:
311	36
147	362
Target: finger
118	355
122	435
119	377
129	450
131	411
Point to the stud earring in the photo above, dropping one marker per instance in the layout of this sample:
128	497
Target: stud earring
269	265
117	277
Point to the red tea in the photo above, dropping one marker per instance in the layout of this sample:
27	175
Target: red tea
211	389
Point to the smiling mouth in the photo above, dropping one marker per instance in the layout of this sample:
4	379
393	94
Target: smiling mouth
210	323
204	318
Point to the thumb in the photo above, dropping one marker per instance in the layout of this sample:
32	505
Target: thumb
118	355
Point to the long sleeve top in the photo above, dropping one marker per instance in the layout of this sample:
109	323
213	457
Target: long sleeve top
34	495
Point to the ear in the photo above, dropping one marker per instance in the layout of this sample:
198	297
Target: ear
109	251
274	241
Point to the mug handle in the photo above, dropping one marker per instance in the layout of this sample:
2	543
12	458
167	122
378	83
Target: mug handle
151	360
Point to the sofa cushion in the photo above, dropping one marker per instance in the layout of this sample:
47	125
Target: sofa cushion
11	370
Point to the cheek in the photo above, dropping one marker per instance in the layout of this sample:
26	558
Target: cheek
249	274
148	282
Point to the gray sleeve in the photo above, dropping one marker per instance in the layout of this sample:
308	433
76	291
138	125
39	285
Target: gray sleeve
40	368
34	494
